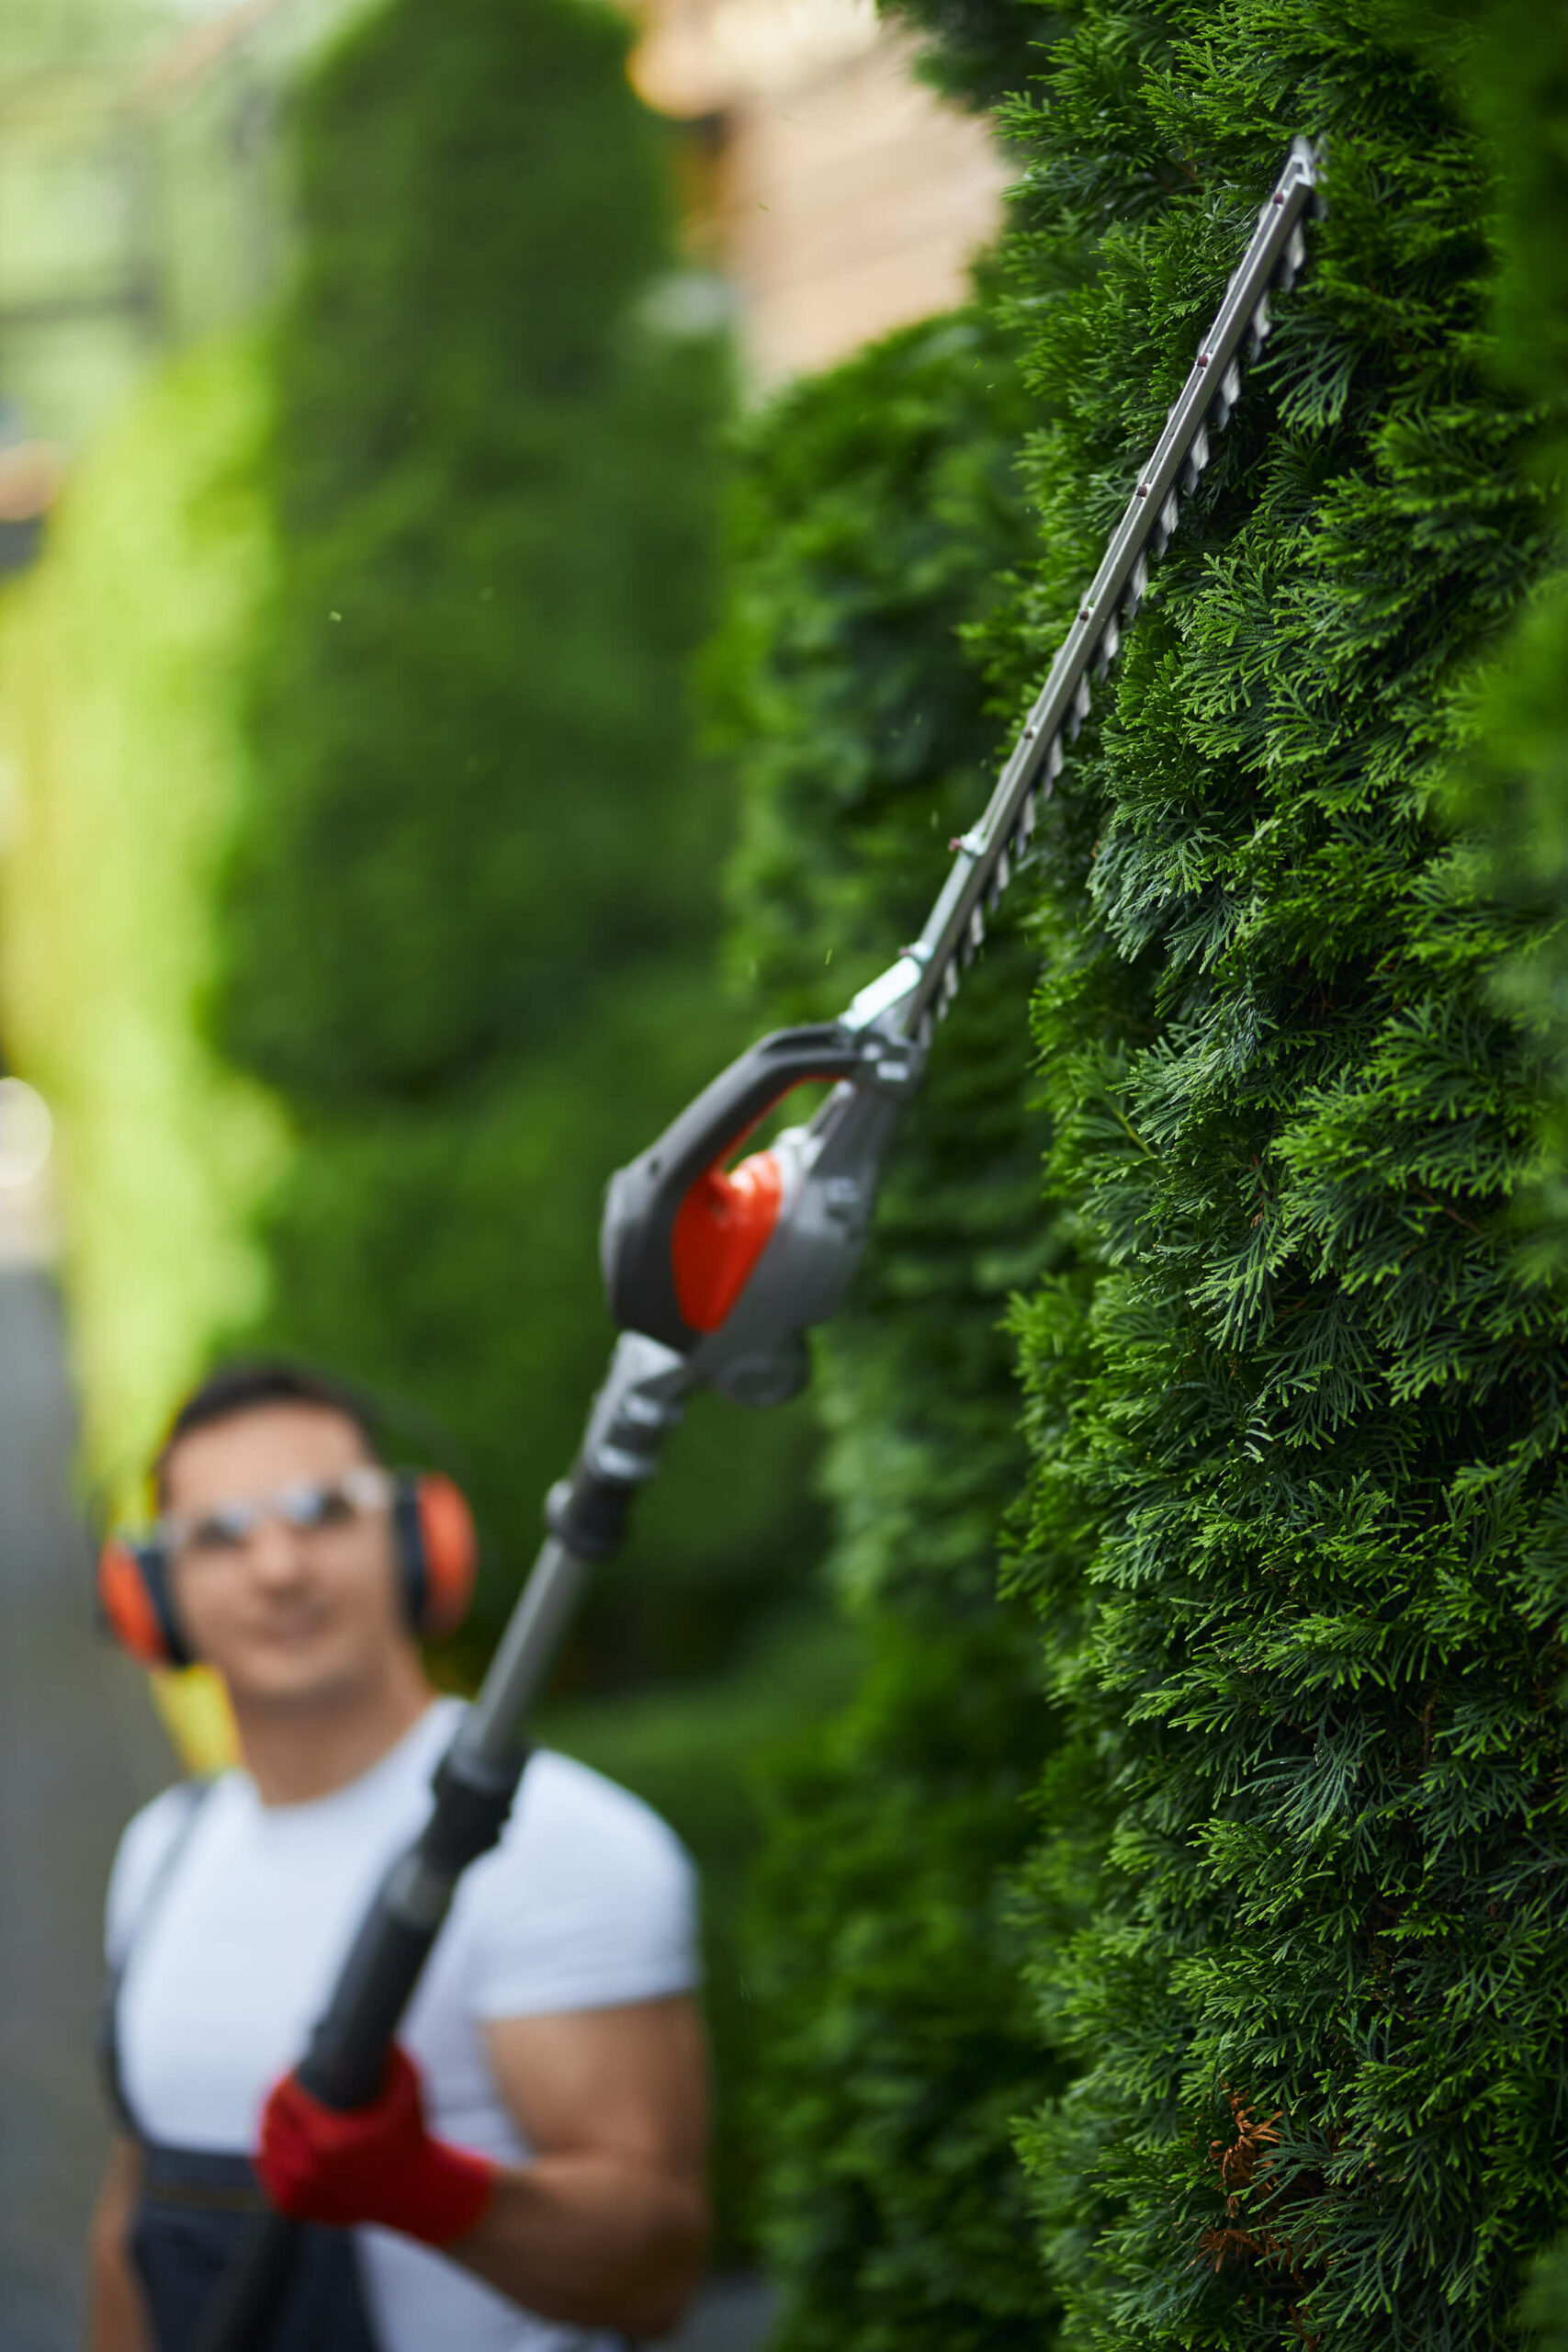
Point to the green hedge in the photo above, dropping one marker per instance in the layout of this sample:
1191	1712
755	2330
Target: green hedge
472	913
473	910
874	509
1300	1448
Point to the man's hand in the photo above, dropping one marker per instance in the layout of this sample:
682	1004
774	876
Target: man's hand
606	2225
375	2164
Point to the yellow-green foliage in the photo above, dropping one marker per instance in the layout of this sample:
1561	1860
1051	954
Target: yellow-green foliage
118	680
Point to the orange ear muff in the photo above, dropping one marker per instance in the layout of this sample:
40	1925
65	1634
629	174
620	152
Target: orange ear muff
134	1606
451	1552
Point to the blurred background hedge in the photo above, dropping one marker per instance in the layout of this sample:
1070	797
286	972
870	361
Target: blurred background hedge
472	913
369	913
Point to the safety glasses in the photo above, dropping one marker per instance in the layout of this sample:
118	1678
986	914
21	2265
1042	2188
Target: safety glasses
310	1507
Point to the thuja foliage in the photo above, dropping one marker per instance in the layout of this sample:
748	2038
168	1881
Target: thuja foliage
873	510
1297	1533
976	51
472	916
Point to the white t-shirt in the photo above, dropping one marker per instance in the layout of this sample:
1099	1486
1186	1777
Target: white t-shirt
587	1901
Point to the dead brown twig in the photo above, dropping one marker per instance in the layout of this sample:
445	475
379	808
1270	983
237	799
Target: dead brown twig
1252	2233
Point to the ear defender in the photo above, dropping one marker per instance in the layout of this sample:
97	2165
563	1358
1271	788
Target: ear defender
439	1552
438	1556
133	1594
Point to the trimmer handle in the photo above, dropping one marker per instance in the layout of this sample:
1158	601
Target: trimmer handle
659	1279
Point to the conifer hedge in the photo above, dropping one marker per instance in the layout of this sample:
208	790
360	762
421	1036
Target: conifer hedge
472	916
1295	1405
1297	1446
874	509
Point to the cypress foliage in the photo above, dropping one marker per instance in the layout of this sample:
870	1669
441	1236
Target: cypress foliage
474	910
874	508
1297	1504
977	51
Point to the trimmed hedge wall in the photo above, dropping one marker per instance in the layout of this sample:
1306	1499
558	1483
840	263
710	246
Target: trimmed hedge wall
1301	1445
874	509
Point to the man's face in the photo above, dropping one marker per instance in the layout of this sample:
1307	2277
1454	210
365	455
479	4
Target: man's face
289	1616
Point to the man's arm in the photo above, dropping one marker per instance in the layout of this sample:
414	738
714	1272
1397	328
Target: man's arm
116	2319
607	2226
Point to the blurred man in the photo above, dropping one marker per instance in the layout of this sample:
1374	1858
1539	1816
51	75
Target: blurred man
532	2177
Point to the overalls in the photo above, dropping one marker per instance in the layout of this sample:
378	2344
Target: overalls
195	2208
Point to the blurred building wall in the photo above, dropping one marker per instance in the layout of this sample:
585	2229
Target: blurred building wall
841	198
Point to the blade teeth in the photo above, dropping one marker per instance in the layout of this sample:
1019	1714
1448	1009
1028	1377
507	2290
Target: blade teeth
1226	397
1294	256
1197	459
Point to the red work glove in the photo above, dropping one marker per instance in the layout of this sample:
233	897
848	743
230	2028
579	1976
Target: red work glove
375	2164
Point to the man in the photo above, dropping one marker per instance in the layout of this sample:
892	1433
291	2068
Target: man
532	2176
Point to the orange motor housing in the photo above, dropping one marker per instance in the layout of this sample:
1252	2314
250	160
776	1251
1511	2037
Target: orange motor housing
722	1227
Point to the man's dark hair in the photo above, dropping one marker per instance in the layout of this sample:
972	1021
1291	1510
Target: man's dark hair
251	1385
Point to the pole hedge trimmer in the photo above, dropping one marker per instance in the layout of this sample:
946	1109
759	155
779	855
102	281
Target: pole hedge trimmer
715	1274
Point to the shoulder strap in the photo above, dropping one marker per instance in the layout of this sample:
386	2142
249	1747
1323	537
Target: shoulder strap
105	2030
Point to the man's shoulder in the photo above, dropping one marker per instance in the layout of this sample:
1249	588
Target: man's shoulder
591	1900
578	1816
